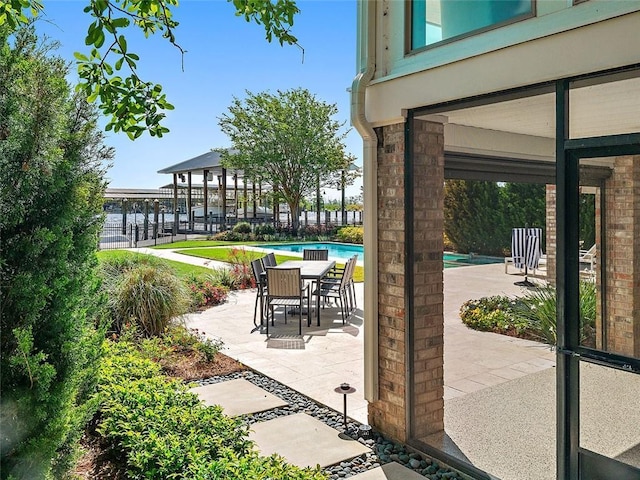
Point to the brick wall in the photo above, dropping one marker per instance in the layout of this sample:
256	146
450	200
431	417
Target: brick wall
622	230
551	233
622	271
389	413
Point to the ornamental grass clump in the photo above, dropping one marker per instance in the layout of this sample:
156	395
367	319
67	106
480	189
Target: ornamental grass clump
539	308
147	295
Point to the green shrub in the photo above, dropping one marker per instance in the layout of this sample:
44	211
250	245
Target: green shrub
265	229
532	315
51	194
351	234
148	295
539	308
243	228
228	236
163	431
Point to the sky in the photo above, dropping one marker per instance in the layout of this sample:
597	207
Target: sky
226	56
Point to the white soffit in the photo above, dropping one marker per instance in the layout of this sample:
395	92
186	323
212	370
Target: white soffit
605	109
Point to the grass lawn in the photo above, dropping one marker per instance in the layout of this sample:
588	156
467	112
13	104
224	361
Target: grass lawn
181	269
223	254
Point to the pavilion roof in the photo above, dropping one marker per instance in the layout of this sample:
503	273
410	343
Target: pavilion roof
207	161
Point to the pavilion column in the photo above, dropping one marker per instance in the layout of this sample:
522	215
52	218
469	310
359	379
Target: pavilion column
223	225
245	200
205	192
253	196
189	202
410	224
176	215
235	195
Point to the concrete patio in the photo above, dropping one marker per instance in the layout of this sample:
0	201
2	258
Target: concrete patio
333	353
499	390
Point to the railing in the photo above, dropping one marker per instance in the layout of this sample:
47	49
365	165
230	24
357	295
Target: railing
116	235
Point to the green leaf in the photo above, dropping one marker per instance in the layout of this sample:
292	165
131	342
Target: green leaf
81	57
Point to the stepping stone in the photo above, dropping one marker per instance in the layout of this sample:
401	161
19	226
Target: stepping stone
304	441
238	397
389	471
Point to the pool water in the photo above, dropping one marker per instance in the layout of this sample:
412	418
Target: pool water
336	250
347	250
452	260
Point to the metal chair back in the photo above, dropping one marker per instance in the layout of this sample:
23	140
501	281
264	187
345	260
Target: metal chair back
315	254
269	260
284	283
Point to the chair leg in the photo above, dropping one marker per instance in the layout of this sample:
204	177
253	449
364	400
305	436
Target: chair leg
339	297
255	312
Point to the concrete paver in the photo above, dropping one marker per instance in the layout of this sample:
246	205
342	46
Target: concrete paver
304	441
390	471
238	397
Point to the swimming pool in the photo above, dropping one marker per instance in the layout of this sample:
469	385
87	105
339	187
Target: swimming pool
336	250
347	250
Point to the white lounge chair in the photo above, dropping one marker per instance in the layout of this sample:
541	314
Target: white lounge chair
588	256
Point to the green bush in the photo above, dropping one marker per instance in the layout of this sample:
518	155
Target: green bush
147	294
51	193
539	308
228	236
351	234
163	431
265	229
243	228
532	315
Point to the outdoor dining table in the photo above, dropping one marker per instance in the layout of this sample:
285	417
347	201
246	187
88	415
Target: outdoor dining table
314	270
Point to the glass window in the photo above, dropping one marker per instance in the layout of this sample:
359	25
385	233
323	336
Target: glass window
434	21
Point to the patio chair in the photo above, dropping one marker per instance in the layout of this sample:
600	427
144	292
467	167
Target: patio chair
286	289
588	256
258	275
315	254
340	290
269	260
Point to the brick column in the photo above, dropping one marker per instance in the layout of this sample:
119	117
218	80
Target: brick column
428	294
551	233
389	413
622	267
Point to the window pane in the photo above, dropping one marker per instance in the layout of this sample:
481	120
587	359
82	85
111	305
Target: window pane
437	20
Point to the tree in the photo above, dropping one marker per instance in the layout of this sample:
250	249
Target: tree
51	189
132	104
287	140
473	218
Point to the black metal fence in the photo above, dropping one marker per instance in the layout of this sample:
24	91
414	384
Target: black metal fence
116	235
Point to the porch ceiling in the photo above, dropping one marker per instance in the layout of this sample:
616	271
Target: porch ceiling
524	128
